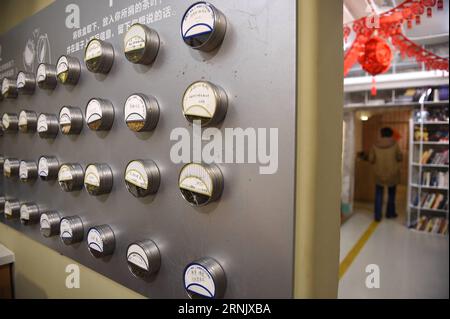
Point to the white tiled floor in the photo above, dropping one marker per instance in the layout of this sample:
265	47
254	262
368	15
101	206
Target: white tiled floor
412	264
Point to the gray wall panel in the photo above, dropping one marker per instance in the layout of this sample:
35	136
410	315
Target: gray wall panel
250	230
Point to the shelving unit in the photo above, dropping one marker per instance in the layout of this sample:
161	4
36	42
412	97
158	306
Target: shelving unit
420	216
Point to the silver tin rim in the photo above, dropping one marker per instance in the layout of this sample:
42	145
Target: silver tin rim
152	112
217	273
33	213
153	178
76	120
73	72
31	125
12	93
52	126
218	181
32	171
108	240
50	81
13	123
53	168
153	256
29	85
76	225
105	179
14	164
15	208
107	118
106	59
151	48
54	219
217	35
221	102
77	178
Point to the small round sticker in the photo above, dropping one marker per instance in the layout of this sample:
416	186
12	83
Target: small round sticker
43	167
198	21
94	50
94	240
62	69
94	114
136	174
135	112
203	26
91	177
21	81
198	281
41	73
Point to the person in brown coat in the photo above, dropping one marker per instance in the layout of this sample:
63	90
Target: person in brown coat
385	157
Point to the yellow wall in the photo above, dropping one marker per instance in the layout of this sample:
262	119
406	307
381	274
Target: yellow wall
14	11
319	147
40	272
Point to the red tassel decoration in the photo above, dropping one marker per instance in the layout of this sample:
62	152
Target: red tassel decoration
409	24
417	20
373	91
440	4
429	12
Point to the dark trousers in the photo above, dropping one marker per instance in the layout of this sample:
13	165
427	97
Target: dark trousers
379	190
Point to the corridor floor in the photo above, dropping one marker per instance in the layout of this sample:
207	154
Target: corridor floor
411	264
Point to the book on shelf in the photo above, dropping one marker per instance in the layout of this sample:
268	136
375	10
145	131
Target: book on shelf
438	201
435	225
434	179
430	156
431	200
426	156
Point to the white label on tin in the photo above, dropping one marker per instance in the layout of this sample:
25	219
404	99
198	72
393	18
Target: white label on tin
135	109
5	121
23	170
200	100
93	111
136	175
23	119
94	50
44	223
7	166
65	174
8	208
94	240
198	280
24	213
62	66
137	256
5	86
195	178
198	20
92	177
42	123
65	229
134	39
43	167
20	80
41	73
64	116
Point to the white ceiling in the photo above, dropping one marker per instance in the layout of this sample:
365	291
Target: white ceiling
431	30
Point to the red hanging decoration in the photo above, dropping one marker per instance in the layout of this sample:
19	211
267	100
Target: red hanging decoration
391	28
409	24
417	20
376	58
347	32
373	91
